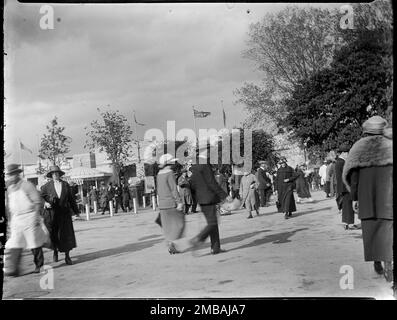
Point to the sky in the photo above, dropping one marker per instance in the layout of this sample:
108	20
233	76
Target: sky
156	59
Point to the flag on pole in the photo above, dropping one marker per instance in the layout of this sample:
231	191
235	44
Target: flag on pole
23	147
140	124
224	117
201	114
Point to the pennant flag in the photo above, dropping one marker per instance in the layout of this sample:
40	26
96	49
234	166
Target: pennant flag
224	118
23	147
201	114
140	124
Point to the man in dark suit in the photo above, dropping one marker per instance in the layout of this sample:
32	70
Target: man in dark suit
60	205
208	194
264	183
343	198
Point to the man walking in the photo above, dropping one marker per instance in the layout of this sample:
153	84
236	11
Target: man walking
264	183
322	172
209	194
23	204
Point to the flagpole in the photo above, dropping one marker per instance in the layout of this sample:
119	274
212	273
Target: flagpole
137	140
20	154
223	114
195	126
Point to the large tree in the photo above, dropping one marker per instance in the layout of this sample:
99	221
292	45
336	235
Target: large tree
286	46
329	108
113	135
54	145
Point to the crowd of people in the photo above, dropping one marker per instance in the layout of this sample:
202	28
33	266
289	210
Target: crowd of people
360	179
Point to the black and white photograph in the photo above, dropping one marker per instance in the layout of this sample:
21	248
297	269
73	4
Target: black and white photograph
158	150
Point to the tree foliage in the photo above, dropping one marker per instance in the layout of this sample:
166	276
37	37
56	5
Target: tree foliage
54	145
329	108
287	47
291	45
113	135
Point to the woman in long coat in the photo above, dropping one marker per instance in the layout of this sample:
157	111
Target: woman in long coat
125	196
185	191
170	204
302	185
286	177
248	186
60	206
368	173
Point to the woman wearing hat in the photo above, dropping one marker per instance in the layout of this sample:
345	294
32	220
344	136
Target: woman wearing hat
24	204
368	174
185	192
60	205
286	177
170	204
302	184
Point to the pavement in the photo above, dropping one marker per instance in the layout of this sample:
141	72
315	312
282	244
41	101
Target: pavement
125	256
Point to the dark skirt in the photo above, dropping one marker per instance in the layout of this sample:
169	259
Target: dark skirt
347	209
378	239
302	188
286	200
173	223
60	227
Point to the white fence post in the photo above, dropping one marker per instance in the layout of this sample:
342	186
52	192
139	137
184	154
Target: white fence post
134	202
87	211
111	208
95	207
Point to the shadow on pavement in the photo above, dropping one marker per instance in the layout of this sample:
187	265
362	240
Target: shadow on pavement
132	247
302	213
278	238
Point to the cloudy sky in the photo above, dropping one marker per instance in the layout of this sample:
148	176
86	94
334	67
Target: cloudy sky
157	59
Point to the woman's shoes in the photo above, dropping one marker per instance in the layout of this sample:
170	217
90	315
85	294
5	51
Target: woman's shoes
378	267
172	249
68	261
388	272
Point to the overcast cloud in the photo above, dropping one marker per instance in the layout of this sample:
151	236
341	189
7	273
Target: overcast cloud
159	59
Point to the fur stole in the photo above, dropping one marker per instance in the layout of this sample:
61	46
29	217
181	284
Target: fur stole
372	151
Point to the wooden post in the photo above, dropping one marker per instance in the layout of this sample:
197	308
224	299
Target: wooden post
95	207
111	208
87	211
134	203
154	202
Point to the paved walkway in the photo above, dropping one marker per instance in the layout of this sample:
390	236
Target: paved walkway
125	256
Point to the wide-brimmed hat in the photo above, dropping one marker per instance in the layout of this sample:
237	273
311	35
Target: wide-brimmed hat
374	125
166	159
283	160
54	169
13	169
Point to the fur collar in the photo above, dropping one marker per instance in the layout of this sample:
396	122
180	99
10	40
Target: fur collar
372	151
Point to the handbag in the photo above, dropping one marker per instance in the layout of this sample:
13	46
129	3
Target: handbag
47	242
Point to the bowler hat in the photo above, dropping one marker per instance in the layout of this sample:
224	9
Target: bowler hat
54	169
374	125
13	169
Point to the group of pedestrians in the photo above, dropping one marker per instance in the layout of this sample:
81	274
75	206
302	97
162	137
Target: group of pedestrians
121	196
38	218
